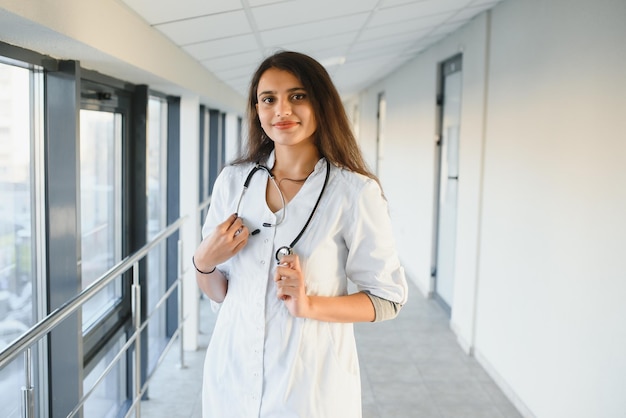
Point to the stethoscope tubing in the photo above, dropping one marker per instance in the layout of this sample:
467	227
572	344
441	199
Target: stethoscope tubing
284	250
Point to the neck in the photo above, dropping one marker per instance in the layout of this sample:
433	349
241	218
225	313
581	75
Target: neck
295	163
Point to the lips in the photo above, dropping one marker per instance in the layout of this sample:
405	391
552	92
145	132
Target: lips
285	125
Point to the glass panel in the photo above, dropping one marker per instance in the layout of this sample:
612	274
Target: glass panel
100	206
107	400
16	239
157	221
11	382
204	164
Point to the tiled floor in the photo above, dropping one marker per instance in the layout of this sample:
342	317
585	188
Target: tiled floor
410	367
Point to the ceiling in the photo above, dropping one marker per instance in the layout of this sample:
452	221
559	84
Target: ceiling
358	41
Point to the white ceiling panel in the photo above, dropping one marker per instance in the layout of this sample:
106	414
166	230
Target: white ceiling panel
313	30
256	3
426	6
359	41
470	12
162	11
438	9
297	12
233	61
410	27
221	47
236	73
381	44
335	42
206	28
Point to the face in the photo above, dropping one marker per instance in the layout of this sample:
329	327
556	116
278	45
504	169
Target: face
284	108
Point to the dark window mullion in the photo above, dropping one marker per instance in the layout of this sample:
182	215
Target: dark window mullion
62	154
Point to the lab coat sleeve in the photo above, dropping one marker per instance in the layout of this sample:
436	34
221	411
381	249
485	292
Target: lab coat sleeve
217	209
217	213
373	264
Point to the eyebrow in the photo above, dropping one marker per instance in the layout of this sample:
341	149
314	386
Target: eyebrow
291	90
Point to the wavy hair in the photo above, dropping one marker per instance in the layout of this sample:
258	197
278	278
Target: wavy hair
333	137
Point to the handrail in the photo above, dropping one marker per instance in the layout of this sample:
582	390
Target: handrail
41	328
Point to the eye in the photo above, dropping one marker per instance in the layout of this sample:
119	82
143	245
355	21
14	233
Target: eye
267	100
298	97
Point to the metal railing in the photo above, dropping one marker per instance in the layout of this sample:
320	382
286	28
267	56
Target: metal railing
24	343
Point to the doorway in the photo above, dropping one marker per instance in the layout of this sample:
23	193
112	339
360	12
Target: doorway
447	180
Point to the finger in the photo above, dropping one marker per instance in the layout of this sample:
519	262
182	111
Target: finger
224	226
286	287
291	260
236	225
283	271
280	294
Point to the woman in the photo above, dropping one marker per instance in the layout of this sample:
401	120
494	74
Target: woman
290	223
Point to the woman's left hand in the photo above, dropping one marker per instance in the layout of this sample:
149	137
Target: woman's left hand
290	286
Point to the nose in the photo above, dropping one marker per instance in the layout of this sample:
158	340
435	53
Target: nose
283	108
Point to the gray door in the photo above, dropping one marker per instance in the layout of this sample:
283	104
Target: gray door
447	179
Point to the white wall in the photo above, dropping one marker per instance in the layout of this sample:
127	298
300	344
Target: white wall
553	257
541	258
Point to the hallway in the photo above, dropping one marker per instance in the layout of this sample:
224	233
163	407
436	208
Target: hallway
410	367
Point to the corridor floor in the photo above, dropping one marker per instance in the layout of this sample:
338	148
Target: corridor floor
410	367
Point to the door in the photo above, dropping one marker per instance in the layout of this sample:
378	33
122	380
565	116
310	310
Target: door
449	105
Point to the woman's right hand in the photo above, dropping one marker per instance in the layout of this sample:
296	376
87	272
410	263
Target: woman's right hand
225	241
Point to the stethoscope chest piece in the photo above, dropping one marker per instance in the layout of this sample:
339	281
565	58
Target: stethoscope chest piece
283	251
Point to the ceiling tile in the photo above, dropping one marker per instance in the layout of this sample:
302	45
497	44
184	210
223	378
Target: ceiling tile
257	3
470	12
206	28
426	5
303	11
221	47
236	74
364	52
417	28
447	28
341	41
438	9
161	11
234	61
313	30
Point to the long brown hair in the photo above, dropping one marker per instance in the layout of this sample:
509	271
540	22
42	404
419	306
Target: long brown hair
333	137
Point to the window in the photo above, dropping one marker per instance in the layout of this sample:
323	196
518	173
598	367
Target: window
108	196
156	149
100	206
109	395
19	112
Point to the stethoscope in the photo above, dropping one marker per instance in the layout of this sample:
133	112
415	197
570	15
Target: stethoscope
285	249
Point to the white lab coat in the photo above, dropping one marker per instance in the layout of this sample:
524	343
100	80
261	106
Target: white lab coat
263	362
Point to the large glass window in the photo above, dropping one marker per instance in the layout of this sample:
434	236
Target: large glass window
18	111
107	396
100	206
107	200
157	221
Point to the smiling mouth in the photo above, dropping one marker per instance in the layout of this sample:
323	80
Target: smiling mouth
285	125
